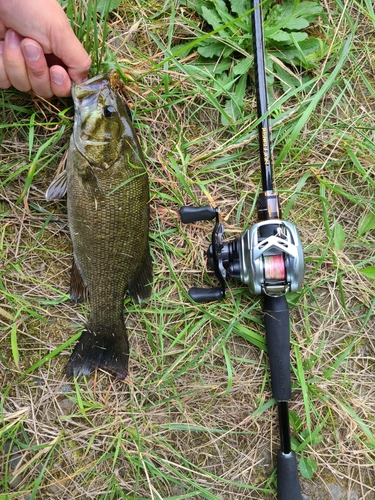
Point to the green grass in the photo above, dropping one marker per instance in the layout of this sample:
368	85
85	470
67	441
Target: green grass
196	418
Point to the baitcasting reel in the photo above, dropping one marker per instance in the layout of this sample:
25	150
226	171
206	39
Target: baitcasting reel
268	257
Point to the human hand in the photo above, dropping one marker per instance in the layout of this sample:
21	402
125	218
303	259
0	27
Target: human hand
34	35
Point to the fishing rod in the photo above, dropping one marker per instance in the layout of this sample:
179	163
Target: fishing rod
268	258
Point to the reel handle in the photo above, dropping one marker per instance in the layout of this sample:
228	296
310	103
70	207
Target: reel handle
288	486
276	322
206	294
195	214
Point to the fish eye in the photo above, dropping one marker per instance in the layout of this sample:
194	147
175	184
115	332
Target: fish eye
109	111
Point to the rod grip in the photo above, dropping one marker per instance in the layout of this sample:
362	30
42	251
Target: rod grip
288	487
276	322
194	214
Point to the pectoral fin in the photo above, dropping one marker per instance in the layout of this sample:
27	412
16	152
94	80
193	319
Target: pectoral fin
58	187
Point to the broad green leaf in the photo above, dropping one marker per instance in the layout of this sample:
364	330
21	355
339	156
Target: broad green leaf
367	223
217	69
297	24
240	90
221	8
338	236
312	438
224	82
369	272
207	67
231	111
286	16
212	18
233	108
239	6
242	66
198	4
283	36
223	12
181	50
287	80
211	48
308	10
295	420
307	467
103	6
277	36
309	47
234	105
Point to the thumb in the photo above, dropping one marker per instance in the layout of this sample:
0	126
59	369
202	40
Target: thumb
70	51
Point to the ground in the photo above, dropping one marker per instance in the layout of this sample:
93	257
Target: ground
195	418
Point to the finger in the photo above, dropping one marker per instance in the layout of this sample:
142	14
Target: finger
4	80
79	73
72	54
60	81
14	62
37	69
2	29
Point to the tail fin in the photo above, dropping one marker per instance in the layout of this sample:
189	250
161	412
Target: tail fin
103	348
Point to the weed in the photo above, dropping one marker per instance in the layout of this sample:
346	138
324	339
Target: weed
226	52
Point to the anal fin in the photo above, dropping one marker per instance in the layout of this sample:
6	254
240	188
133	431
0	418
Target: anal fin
78	290
141	284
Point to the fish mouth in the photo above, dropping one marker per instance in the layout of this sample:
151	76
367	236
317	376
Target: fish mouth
86	93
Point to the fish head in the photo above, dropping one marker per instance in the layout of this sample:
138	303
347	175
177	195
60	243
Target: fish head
101	122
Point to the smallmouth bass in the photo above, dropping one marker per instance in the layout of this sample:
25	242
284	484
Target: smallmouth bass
108	212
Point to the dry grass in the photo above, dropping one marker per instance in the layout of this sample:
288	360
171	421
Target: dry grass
195	419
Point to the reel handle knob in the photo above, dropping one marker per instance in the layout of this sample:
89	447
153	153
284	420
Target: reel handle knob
194	214
206	294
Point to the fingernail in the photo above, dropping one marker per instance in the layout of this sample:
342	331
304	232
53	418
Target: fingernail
57	76
13	39
31	51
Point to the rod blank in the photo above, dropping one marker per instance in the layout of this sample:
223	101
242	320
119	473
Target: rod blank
264	134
